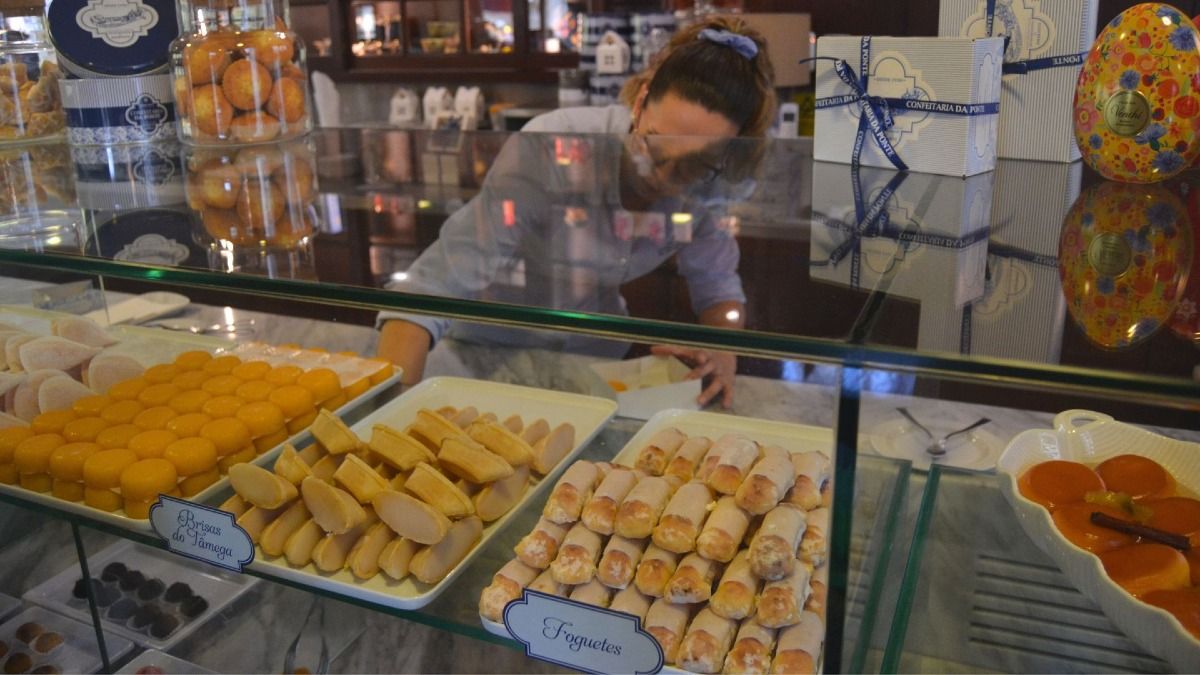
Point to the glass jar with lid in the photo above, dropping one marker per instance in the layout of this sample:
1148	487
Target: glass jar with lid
241	74
30	105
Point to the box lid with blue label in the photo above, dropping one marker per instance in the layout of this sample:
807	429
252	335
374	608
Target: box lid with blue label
112	38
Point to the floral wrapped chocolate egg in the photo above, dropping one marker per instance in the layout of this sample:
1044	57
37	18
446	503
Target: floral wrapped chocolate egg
1137	100
1124	255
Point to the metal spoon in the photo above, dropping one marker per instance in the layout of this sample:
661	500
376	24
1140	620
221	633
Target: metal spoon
908	416
938	449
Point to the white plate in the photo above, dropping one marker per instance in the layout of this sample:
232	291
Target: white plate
78	652
166	663
217	587
140	308
976	450
791	437
1090	438
587	413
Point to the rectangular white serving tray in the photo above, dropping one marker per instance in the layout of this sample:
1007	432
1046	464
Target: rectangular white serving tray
1090	438
78	653
790	436
167	664
587	413
219	588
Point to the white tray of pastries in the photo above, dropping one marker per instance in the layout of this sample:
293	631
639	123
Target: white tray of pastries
393	509
709	528
40	641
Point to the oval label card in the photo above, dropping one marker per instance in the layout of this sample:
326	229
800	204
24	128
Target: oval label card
584	637
201	533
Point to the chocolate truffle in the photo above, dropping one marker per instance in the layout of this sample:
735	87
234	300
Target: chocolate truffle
132	580
113	571
145	616
178	592
193	606
47	642
163	626
151	589
107	595
17	663
26	632
122	610
80	590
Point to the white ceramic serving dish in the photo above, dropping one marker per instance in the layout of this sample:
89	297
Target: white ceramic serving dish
1090	438
167	664
78	652
587	413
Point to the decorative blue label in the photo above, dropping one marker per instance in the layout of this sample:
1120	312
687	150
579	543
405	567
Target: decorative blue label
120	23
154	168
201	533
584	637
146	113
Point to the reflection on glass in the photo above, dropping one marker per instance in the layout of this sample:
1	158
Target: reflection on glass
376	28
1125	254
433	26
492	27
37	195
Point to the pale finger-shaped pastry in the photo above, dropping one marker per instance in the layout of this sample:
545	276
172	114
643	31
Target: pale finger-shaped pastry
469	460
513	423
256	519
363	561
681	521
601	509
433	488
768	481
326	466
812	472
592	593
619	562
686	461
411	518
60	393
576	561
535	432
657	453
432	563
50	351
798	646
291	467
571	492
639	511
818	588
551	448
330	554
299	547
706	643
359	479
105	370
655	570
692	580
500	440
396	556
235	505
275	536
545	583
773	549
261	487
398	449
738	455
812	545
751	651
539	548
333	434
783	601
631	601
496	499
463	418
737	591
724	531
506	586
82	330
334	509
667	622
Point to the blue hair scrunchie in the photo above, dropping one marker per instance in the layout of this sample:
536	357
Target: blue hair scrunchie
738	43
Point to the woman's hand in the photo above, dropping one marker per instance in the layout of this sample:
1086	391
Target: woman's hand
406	345
719	367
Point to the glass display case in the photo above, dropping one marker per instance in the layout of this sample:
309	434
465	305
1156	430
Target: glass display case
538	260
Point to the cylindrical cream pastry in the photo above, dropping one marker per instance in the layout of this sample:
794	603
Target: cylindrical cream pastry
773	549
768	481
687	458
639	511
666	622
506	586
723	531
737	591
571	492
592	593
681	521
751	651
601	510
799	646
576	561
539	548
812	472
706	642
653	458
693	580
631	601
655	570
782	601
738	455
812	544
818	588
711	458
545	583
619	562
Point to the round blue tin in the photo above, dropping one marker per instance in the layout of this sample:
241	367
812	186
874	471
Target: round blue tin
112	38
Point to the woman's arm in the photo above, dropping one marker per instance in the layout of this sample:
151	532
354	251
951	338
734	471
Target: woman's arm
406	345
719	367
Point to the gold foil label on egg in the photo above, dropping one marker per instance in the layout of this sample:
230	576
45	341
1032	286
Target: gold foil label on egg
1126	113
1109	255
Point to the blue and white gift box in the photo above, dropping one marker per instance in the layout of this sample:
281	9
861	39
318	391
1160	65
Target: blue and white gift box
922	104
915	236
1045	44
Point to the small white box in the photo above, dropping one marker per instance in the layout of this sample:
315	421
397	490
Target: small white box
933	249
1035	106
651	384
961	72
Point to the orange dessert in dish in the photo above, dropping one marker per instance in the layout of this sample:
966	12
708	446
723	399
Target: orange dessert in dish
1177	515
1142	568
1074	521
1058	482
1137	476
1183	604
